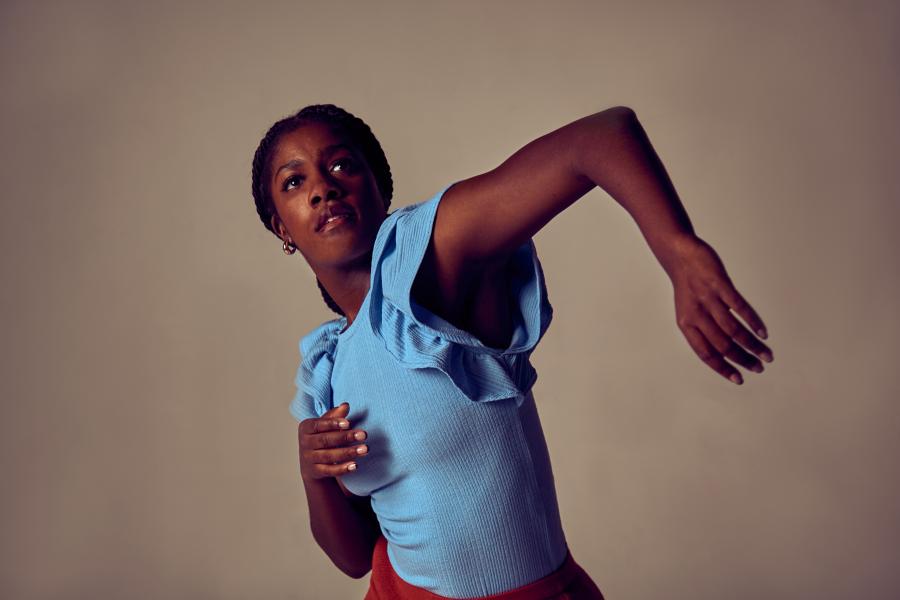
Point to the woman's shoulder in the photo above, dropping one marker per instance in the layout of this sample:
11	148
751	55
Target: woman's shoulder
322	335
419	338
406	225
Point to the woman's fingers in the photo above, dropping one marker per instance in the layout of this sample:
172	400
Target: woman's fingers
714	334
328	447
724	345
736	331
704	299
710	355
322	424
331	439
332	462
715	338
737	302
321	470
334	456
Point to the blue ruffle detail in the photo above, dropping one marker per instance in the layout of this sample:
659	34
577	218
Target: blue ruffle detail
313	380
419	338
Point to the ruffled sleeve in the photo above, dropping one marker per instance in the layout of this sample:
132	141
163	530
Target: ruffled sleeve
421	339
313	380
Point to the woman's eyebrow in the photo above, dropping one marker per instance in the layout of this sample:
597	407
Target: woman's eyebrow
288	165
297	162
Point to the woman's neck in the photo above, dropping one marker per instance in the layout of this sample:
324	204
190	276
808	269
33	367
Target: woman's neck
348	288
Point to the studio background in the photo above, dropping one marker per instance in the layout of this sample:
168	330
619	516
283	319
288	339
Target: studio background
151	322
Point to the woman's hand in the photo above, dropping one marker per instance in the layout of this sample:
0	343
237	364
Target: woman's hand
704	298
346	528
328	445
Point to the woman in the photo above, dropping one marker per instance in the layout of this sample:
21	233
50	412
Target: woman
444	489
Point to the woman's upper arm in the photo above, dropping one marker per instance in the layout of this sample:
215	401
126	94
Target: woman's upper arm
484	219
481	222
362	503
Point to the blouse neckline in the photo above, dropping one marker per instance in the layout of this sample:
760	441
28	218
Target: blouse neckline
342	320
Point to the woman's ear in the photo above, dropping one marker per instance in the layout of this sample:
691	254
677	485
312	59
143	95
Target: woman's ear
278	227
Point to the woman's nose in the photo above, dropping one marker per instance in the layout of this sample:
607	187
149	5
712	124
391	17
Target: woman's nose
324	189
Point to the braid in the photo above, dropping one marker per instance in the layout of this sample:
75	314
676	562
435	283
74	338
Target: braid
358	132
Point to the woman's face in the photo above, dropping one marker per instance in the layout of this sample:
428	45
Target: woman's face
316	172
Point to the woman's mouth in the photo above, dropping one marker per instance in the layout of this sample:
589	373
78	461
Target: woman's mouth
335	221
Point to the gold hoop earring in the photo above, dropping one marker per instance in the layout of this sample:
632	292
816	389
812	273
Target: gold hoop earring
289	248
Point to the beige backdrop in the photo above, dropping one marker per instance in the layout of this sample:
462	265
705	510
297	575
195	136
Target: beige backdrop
151	322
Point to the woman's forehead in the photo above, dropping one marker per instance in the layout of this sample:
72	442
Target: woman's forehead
311	140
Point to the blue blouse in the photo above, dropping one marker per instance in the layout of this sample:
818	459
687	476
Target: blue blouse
457	469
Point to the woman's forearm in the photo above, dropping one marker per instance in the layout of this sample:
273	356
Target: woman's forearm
614	152
345	529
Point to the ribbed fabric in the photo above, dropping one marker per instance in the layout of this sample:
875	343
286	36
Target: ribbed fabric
457	469
568	582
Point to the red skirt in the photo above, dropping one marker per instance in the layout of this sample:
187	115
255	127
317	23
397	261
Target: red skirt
568	582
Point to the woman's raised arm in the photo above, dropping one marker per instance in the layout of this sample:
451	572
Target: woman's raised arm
482	220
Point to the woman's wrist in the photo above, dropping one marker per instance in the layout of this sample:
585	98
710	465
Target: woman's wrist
677	252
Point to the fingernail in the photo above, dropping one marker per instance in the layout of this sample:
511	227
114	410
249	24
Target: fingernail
762	333
361	449
360	435
766	356
351	467
344	424
736	378
757	368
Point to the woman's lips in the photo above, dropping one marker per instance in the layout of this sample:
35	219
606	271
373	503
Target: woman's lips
336	221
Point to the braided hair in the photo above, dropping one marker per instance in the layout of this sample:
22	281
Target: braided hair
359	134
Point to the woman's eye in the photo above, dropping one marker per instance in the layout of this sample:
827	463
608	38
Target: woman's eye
344	164
293	180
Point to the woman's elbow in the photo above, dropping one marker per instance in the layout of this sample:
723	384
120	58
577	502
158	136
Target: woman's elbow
623	112
613	119
357	571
